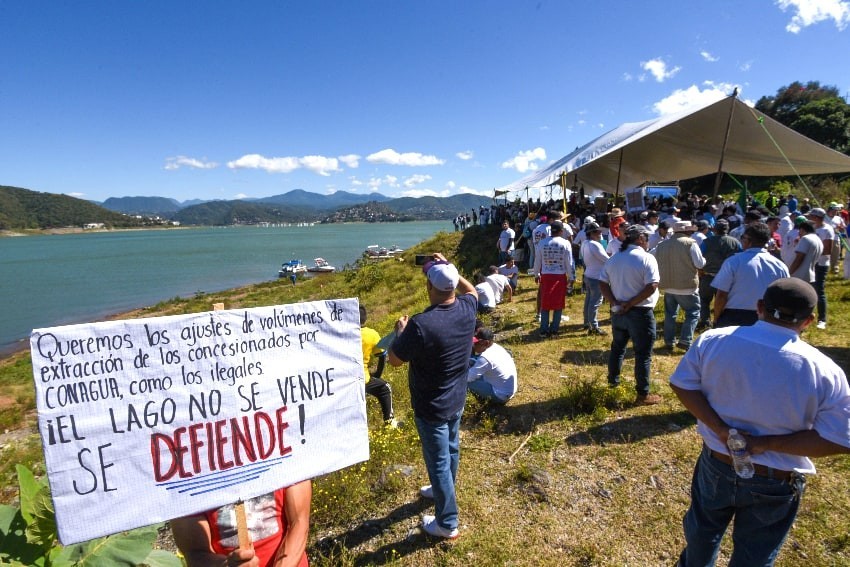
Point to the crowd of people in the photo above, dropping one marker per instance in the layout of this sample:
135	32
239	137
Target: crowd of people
744	365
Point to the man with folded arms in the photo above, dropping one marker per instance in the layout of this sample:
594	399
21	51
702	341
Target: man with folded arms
789	400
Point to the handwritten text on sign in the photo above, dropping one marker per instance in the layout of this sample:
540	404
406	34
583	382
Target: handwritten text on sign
150	419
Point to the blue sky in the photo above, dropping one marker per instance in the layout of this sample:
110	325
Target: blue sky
224	100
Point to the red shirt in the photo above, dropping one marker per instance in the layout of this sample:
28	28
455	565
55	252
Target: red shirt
266	525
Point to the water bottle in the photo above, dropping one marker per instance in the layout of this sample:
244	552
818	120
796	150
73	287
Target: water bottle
740	457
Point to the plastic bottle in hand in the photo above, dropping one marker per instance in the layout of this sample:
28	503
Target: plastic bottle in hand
740	457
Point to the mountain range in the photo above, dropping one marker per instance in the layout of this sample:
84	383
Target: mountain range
23	208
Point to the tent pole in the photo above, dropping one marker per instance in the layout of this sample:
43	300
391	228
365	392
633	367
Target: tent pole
619	170
719	175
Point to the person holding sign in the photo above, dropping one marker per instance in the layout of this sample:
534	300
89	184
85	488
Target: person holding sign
438	343
278	523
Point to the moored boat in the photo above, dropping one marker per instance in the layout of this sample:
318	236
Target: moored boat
321	266
291	267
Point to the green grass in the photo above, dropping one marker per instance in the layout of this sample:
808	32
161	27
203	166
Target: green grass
568	473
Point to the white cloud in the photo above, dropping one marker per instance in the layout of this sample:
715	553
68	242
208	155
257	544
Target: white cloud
392	157
320	165
708	56
425	193
745	66
354	181
240	196
627	77
77	195
350	160
465	155
810	12
451	184
658	69
415	180
270	165
388	180
525	160
172	163
682	99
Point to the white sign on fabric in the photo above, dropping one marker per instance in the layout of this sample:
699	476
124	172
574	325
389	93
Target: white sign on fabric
149	419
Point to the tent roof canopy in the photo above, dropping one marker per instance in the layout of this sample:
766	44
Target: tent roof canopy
687	145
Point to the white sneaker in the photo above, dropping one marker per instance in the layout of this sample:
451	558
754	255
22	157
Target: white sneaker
821	324
427	492
432	528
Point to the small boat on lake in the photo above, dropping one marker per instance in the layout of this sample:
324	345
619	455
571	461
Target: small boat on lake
291	267
321	266
377	252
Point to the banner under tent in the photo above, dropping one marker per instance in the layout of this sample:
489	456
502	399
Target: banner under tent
725	136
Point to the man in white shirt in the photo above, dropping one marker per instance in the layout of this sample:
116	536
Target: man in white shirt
493	374
511	271
806	253
594	257
486	297
553	270
501	285
826	233
505	244
629	282
790	402
840	228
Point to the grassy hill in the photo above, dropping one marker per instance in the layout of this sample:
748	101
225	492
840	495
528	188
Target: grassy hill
25	209
568	473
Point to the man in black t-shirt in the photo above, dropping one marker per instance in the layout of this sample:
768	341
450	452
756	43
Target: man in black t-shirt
438	343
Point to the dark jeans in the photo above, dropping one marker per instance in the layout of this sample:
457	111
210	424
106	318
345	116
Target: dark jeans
763	508
638	324
706	296
820	289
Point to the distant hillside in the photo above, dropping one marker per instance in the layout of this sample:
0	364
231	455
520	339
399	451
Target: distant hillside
25	209
147	206
302	198
222	213
438	208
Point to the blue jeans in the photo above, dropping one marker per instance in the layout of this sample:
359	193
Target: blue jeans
484	390
638	324
441	450
690	305
763	508
592	301
556	321
820	289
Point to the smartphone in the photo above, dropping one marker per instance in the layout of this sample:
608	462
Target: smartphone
422	259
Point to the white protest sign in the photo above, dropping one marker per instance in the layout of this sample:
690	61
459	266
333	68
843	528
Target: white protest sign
150	419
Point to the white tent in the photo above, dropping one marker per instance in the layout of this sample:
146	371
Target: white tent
726	135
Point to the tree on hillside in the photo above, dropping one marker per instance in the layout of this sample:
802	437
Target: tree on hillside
816	111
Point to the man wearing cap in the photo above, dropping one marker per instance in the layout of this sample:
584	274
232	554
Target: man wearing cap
493	374
715	249
679	261
629	282
743	277
806	254
553	270
594	258
789	400
826	233
437	344
840	228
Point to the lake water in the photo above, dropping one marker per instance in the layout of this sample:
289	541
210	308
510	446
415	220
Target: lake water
75	278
